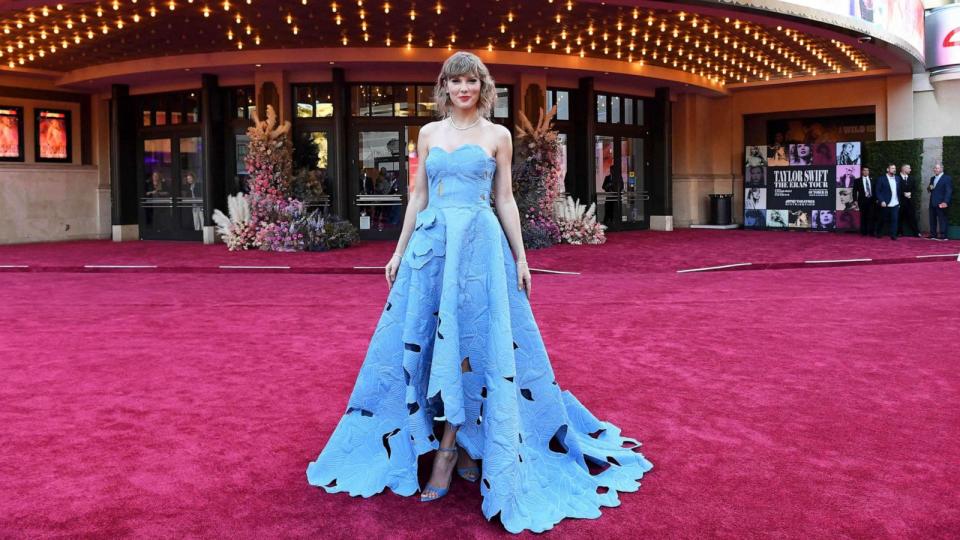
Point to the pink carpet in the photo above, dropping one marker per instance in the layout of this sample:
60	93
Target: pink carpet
818	402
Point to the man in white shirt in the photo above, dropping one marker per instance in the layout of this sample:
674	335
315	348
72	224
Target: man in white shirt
889	193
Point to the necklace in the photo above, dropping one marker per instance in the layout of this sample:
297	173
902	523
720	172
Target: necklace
452	123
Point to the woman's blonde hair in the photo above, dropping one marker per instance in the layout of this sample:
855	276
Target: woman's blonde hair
464	63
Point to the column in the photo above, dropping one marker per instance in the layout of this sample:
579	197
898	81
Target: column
212	153
661	182
123	165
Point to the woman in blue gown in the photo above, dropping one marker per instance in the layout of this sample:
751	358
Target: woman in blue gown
457	341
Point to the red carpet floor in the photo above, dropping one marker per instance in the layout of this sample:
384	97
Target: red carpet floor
821	402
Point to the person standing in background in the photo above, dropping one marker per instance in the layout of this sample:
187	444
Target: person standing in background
863	194
888	194
908	215
941	193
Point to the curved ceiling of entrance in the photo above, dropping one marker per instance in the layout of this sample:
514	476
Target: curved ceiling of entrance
720	50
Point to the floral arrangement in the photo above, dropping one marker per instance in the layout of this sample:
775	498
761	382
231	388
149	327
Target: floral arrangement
273	216
322	232
578	224
279	228
237	230
538	179
539	232
269	162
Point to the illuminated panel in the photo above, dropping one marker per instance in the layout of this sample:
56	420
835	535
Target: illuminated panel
11	134
53	136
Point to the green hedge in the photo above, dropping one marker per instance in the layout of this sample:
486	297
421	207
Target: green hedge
951	166
878	154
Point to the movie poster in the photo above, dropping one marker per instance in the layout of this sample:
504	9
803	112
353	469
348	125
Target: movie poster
801	186
53	135
11	133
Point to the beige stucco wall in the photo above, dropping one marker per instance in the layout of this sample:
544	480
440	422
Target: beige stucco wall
46	202
936	107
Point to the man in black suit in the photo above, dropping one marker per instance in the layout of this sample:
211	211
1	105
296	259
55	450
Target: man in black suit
941	193
889	194
865	195
908	215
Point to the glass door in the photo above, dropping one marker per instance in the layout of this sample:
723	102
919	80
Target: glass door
188	197
312	154
607	181
171	192
620	181
156	188
378	182
634	194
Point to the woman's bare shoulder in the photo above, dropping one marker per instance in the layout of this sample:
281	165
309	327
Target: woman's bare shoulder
501	135
427	131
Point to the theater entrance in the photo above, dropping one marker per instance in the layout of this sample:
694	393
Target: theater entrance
170	194
620	181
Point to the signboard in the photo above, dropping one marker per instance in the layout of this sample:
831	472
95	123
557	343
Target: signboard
943	38
801	186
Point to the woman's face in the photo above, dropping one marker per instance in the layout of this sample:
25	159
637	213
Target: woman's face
845	196
803	150
826	217
464	91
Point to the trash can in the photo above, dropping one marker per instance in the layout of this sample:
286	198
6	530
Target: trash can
720	208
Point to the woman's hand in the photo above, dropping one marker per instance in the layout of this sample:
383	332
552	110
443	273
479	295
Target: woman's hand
523	278
391	270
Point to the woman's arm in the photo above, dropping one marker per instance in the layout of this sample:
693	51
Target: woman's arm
507	210
416	202
506	205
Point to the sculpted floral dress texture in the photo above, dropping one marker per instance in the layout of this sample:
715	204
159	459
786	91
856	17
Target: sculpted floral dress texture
458	339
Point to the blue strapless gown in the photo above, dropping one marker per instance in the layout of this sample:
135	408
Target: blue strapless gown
458	339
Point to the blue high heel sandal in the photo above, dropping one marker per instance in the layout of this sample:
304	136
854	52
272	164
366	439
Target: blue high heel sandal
470	474
440	492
